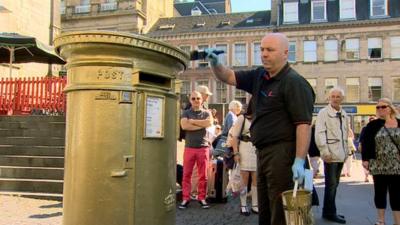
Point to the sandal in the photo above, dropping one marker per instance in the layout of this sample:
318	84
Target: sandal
379	222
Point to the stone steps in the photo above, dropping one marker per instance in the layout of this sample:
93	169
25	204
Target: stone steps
31	185
23	172
32	156
32	150
32	161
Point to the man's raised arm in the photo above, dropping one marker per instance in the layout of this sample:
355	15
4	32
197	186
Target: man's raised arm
221	72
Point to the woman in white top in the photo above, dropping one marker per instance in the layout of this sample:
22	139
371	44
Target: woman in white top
245	155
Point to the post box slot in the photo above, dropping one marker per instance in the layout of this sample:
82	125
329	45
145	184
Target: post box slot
153	79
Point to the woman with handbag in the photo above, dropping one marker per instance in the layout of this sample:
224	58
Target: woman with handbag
245	156
381	156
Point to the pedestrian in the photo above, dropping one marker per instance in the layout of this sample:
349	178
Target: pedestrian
360	139
205	94
313	153
245	155
215	118
235	108
381	156
346	172
195	121
331	136
281	125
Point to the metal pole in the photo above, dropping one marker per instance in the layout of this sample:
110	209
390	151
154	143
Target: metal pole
11	49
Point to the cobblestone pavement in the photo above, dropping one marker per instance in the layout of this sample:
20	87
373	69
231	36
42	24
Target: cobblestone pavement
354	200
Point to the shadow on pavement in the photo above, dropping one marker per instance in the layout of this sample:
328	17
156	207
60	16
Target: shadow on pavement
57	205
44	216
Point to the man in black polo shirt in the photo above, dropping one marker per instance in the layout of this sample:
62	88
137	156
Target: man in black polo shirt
281	127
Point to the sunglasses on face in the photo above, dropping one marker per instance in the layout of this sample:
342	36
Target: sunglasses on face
198	99
381	107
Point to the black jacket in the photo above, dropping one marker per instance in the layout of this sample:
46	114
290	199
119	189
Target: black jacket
368	140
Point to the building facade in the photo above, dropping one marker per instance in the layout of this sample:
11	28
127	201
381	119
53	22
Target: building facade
354	44
134	16
37	18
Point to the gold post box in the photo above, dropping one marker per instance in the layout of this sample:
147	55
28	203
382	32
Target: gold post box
120	152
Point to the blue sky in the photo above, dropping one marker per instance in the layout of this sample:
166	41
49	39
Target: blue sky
250	5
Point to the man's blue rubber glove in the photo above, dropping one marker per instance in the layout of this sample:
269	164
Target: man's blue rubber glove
211	57
298	170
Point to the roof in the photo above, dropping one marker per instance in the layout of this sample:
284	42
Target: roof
208	23
205	6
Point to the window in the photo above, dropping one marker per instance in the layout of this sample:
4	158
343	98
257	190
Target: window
352	89
318	10
352	49
185	89
374	89
202	82
396	89
292	51
347	9
240	96
395	47
257	54
331	50
310	51
202	63
223	58
62	6
240	55
313	83
378	8
329	84
374	48
291	12
109	5
222	91
187	49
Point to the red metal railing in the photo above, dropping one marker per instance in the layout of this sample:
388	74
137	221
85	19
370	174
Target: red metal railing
32	95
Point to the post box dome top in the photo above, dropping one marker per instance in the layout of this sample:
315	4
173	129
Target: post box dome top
120	38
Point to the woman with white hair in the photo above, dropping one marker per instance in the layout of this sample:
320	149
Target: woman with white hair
381	156
235	107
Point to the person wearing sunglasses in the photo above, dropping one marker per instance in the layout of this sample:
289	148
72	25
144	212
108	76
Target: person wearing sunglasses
195	121
331	137
381	156
281	127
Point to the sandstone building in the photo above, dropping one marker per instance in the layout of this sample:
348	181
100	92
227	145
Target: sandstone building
351	43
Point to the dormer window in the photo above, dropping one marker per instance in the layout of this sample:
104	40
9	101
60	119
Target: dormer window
225	22
166	26
250	21
347	9
378	8
202	24
290	12
196	11
318	10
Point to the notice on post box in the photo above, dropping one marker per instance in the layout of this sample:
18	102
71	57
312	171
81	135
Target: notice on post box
154	116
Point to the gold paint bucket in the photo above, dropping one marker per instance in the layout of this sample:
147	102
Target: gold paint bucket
297	206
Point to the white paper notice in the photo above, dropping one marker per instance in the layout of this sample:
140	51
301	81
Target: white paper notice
154	116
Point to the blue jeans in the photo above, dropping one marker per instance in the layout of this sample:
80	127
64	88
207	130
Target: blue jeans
332	178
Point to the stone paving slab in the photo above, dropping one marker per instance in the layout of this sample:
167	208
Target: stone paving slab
354	200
